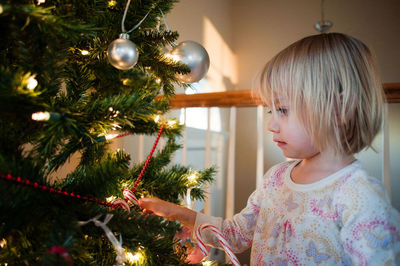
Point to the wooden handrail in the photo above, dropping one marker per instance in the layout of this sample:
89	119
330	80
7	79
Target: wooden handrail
249	98
239	98
392	92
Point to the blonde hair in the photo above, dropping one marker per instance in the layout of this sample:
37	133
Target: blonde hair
332	85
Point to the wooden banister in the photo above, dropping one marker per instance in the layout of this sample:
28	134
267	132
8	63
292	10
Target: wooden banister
249	98
392	92
239	98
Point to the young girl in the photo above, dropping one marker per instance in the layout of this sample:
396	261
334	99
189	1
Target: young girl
326	104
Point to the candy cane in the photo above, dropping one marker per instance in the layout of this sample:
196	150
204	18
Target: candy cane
121	203
128	194
220	238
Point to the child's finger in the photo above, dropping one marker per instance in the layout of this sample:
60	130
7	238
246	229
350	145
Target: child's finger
146	211
142	203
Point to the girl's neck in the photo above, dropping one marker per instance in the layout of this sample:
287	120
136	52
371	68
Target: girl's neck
319	166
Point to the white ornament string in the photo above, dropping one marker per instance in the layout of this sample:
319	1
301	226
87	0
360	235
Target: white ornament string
166	26
124	16
224	243
121	258
165	21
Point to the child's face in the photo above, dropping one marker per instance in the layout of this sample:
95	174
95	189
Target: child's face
288	133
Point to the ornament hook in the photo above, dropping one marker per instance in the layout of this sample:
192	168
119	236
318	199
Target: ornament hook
323	25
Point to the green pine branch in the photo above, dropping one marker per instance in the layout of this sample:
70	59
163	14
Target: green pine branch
62	45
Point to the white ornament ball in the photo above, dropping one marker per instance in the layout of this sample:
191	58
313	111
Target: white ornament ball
194	56
122	53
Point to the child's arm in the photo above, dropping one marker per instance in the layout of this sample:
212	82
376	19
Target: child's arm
169	211
238	230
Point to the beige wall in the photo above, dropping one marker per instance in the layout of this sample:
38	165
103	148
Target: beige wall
209	23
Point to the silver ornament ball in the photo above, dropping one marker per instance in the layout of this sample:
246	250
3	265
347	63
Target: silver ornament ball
122	53
194	56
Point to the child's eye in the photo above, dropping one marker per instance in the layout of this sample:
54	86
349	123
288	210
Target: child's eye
283	111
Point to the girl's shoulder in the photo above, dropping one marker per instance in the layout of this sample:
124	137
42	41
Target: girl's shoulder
362	195
359	182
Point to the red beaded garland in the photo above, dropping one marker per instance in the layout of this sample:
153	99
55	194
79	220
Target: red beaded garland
148	159
36	185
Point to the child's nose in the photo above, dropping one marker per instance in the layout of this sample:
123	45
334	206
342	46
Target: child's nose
272	125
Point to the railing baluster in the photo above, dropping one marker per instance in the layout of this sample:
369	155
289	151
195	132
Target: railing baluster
140	149
207	203
385	151
260	146
184	139
230	180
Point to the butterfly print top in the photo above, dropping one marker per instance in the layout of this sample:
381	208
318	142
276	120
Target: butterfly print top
343	219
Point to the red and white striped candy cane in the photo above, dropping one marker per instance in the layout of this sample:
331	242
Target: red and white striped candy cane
128	194
121	203
221	239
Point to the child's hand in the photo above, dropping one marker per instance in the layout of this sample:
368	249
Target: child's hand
168	210
158	207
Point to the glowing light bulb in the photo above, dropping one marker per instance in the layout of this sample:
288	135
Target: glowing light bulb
171	123
32	83
173	57
112	3
41	116
207	263
110	136
84	52
157	118
115	126
41	2
45	116
116	114
125	82
158	80
193	178
133	258
3	243
111	199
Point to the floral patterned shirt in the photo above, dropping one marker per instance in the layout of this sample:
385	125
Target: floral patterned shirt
343	219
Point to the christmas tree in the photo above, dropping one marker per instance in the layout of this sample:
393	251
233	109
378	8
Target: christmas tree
61	96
